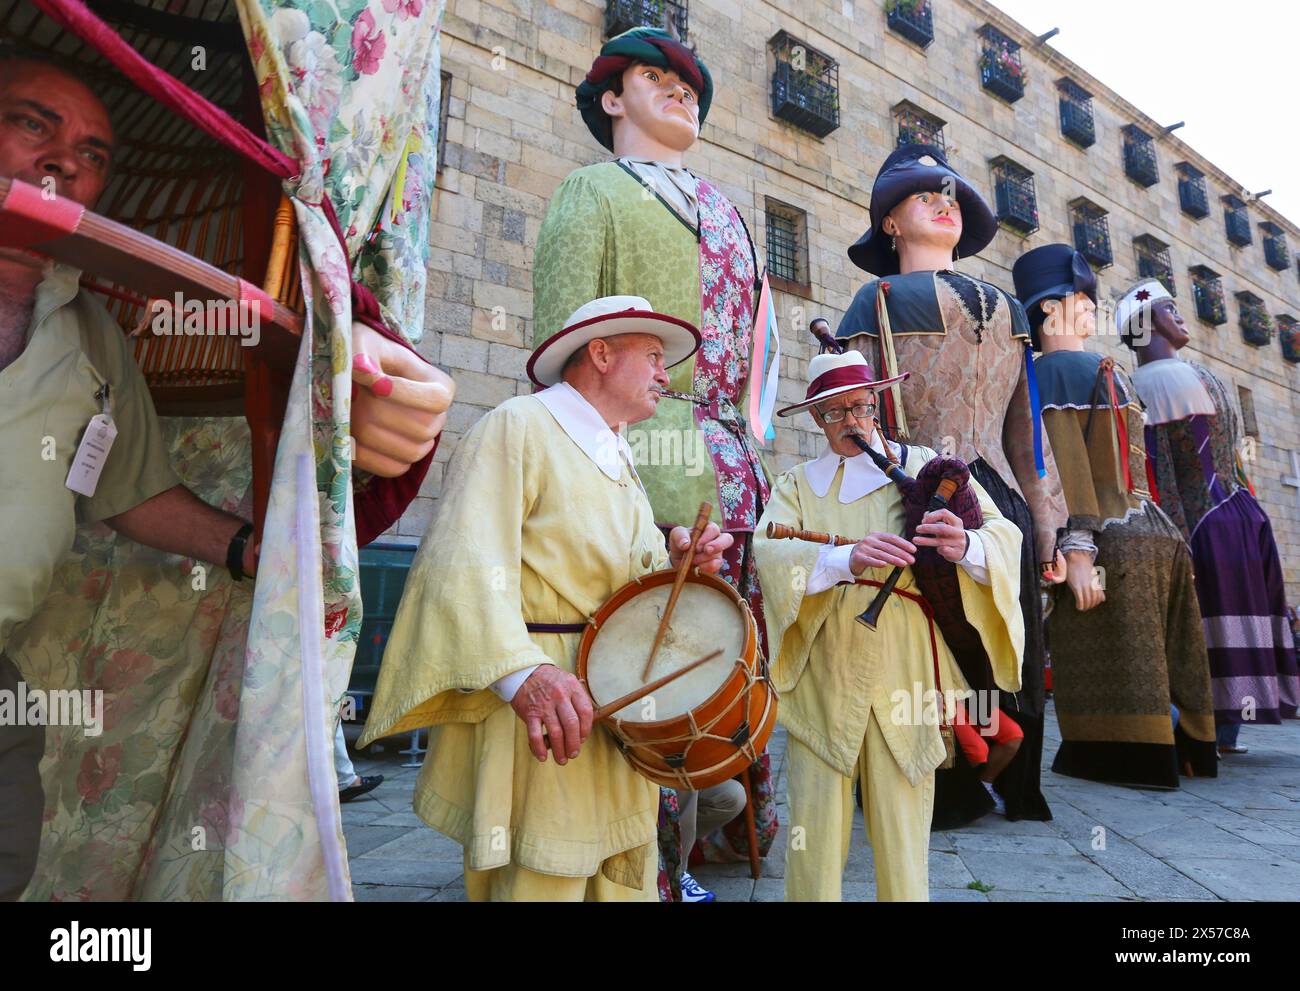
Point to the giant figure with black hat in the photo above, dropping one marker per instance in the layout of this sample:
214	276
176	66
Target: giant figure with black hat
1192	443
972	395
1128	568
646	225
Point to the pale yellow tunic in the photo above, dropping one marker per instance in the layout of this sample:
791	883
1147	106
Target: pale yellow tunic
840	682
529	530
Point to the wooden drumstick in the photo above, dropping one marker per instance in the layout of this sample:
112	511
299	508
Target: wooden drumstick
701	521
607	710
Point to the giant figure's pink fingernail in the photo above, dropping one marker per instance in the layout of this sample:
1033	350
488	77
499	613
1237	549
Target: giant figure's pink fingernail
383	387
364	363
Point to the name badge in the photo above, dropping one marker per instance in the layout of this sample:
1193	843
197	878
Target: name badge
92	452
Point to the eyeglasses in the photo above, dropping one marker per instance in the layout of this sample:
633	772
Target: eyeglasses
862	411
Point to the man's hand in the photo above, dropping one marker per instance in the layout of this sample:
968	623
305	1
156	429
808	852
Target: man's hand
1055	574
399	403
1083	583
944	531
881	550
708	553
556	701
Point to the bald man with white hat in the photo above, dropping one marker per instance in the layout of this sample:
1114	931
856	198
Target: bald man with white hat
542	518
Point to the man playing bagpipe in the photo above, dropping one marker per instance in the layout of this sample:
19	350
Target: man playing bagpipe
868	701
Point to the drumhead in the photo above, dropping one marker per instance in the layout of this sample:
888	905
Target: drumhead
704	620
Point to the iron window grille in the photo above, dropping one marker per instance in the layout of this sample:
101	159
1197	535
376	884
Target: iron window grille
1275	249
786	236
1017	202
1192	194
913	19
623	15
915	126
1153	261
1288	332
1256	327
1091	233
1140	156
1077	122
1236	221
1207	291
1001	70
805	86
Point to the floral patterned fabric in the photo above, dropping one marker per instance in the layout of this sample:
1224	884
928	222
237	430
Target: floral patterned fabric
213	776
727	300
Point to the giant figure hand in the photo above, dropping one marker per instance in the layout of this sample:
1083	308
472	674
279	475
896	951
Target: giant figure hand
399	403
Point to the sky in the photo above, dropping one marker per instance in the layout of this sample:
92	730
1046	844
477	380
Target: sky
1231	70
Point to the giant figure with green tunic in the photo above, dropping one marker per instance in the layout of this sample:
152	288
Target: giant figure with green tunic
643	224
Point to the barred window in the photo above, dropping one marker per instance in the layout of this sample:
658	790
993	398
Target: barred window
1017	203
787	243
915	126
1153	261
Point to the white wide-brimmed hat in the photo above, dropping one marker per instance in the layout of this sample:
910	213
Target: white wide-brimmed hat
610	316
830	374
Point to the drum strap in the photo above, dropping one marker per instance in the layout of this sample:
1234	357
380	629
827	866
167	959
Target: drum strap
945	730
555	627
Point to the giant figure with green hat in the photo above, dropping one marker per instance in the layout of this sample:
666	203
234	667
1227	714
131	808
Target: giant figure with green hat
644	224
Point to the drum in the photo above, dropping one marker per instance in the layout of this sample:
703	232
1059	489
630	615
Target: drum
704	727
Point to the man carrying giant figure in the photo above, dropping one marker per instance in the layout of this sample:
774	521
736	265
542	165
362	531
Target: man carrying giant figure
643	224
971	395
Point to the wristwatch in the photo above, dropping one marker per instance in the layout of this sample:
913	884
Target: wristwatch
235	552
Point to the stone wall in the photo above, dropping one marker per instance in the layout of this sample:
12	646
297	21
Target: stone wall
513	133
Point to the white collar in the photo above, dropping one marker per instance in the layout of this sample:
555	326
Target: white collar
1171	390
586	428
861	476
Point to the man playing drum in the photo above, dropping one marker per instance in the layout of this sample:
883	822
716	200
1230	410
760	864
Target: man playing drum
856	700
542	519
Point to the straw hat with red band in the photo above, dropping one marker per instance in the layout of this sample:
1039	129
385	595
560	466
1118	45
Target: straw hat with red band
832	374
610	316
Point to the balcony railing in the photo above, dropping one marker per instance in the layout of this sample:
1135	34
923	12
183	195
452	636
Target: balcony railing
1256	327
1210	305
1288	332
1276	253
913	19
806	101
1017	205
1192	196
1092	240
1140	160
916	128
1237	224
1002	74
1077	123
1156	268
623	15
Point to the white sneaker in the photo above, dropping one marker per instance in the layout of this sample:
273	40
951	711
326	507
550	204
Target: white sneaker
999	806
693	891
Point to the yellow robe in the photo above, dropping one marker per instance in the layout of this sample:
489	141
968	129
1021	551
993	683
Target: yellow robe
529	530
839	682
829	668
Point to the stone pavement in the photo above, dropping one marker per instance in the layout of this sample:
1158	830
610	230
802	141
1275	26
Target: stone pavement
1235	837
